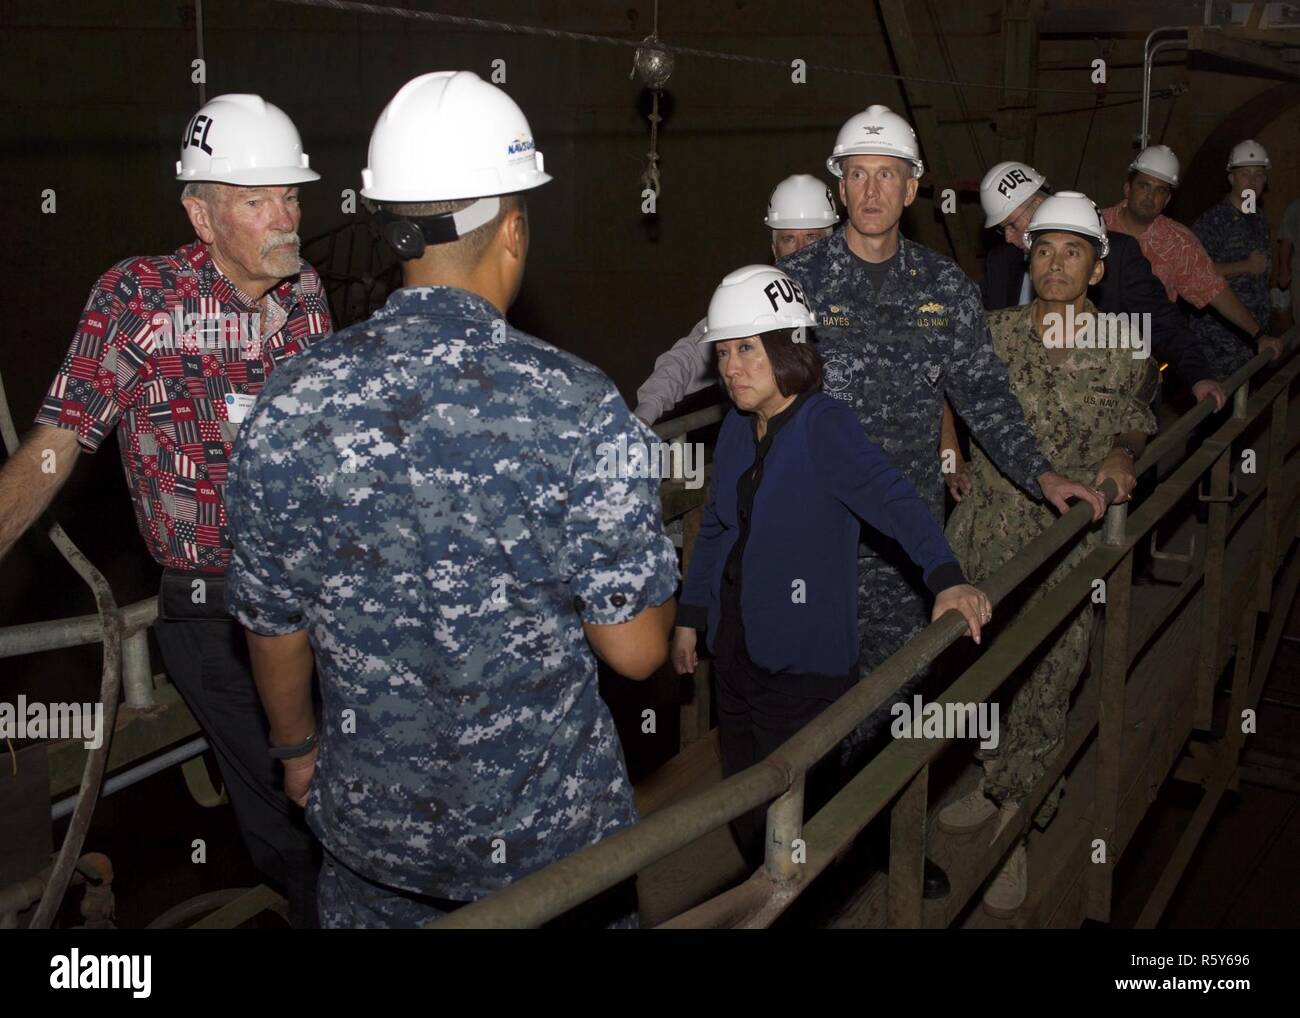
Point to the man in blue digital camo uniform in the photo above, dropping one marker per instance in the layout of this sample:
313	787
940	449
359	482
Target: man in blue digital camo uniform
1236	235
899	326
422	506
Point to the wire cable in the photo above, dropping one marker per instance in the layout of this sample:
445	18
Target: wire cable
352	7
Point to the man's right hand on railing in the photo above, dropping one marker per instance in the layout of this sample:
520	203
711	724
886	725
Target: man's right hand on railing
960	482
1058	490
682	653
1273	344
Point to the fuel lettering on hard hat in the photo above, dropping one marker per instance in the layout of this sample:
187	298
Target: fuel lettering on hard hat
787	289
200	123
1011	181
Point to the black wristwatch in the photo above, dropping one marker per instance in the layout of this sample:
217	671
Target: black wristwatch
289	752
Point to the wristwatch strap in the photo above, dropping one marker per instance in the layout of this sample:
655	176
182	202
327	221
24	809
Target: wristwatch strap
289	752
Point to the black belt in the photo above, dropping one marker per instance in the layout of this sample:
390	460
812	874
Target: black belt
192	597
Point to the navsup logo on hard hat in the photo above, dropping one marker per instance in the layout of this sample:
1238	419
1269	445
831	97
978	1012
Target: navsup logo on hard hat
520	147
874	129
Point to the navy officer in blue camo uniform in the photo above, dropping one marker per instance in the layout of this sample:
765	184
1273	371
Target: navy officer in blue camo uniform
900	325
423	506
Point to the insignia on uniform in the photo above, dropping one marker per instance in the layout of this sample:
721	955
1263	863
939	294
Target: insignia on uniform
931	308
835	309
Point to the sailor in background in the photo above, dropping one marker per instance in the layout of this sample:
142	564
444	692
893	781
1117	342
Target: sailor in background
801	211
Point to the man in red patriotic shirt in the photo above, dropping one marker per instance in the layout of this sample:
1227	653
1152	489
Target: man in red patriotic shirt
171	351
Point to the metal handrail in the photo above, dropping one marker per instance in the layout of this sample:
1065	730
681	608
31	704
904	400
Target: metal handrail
559	887
567	883
110	680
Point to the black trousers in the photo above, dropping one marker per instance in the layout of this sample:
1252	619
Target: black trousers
208	662
757	712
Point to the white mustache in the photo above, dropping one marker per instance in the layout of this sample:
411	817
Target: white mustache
276	239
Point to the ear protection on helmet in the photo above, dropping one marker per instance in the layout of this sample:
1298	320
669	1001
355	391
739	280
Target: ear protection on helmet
408	236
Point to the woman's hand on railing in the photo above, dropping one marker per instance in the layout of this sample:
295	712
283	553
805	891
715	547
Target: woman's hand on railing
682	651
973	603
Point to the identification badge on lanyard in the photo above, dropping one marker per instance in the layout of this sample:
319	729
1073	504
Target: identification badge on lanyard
237	406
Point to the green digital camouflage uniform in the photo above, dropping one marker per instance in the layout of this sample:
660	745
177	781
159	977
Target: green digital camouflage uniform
1075	408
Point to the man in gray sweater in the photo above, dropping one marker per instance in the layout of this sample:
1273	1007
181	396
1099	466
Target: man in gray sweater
800	212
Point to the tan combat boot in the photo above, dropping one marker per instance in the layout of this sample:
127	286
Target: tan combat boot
1007	892
969	813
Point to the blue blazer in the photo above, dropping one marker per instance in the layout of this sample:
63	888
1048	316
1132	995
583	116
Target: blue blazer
799	584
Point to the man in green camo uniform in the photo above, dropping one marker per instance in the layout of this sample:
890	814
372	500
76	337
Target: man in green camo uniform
1085	384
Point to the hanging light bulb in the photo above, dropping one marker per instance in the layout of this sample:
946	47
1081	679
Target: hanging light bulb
653	63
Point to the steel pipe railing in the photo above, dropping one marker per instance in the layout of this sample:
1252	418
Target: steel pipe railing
1148	61
561	886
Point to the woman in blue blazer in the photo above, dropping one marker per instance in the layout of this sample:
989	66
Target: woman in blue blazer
773	577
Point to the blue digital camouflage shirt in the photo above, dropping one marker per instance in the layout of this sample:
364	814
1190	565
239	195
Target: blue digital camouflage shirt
1230	236
423	494
892	354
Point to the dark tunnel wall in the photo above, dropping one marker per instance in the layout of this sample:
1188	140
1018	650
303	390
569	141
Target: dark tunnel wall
95	95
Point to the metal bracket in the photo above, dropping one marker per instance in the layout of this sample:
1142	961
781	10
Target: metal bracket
198	781
1174	556
1232	493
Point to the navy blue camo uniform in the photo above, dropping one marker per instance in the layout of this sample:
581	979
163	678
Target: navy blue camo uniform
1230	235
894	338
424	494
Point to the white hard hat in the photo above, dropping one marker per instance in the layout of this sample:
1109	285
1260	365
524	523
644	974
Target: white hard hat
876	131
1069	212
801	202
1005	188
1157	161
1248	153
450	135
244	140
754	300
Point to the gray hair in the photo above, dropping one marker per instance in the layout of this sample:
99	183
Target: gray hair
200	189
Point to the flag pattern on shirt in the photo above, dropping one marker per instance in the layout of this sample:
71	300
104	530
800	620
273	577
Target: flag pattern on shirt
160	344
